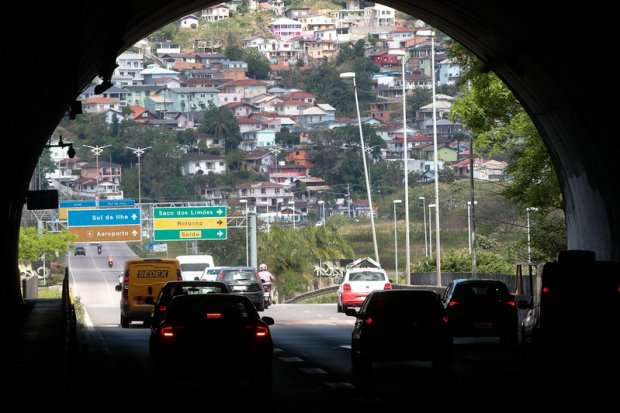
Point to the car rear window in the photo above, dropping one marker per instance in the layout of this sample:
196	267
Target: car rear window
367	276
405	305
471	291
199	267
239	275
196	290
182	311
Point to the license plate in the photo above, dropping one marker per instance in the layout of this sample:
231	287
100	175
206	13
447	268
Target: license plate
240	288
483	325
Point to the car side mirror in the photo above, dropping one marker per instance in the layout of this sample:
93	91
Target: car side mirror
351	312
268	320
118	287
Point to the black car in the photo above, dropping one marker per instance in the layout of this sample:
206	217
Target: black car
481	308
223	331
244	281
176	288
79	251
399	325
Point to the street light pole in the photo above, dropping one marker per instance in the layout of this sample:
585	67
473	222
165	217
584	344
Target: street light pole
350	75
529	247
402	55
247	247
396	201
97	150
425	233
430	229
469	222
139	152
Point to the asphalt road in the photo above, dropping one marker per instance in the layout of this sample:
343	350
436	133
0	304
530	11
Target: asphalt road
311	359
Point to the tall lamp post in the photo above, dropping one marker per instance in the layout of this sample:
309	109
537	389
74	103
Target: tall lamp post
395	202
351	75
97	150
403	56
529	247
139	152
430	229
435	158
469	225
322	211
247	248
423	199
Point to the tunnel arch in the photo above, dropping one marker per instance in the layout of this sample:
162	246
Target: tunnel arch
527	44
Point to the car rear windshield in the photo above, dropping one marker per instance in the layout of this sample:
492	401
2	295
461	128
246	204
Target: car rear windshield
238	275
198	267
367	276
195	290
405	305
478	291
183	311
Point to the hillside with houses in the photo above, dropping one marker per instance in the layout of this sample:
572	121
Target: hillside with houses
277	121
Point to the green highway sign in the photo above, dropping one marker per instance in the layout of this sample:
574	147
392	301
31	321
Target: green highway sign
190	223
190	212
189	234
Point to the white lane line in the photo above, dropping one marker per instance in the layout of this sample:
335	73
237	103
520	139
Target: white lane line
291	359
313	371
341	385
346	346
278	350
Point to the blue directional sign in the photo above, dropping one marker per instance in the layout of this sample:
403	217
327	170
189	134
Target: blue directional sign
103	217
106	203
78	204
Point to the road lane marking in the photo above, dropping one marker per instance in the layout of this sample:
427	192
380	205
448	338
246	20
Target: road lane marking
341	385
346	346
312	371
291	359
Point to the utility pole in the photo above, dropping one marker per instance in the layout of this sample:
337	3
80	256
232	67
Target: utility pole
97	150
472	201
139	152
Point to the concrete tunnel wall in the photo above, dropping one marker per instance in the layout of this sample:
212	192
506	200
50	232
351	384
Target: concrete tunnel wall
533	47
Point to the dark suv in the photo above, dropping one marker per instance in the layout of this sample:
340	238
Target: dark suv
79	251
244	281
399	325
481	308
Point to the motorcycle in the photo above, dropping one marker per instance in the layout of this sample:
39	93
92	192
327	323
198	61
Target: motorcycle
99	249
267	294
110	262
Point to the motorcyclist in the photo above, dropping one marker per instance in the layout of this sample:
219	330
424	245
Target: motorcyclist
99	249
110	262
267	278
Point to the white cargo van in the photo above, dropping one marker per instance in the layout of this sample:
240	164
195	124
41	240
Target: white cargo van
192	266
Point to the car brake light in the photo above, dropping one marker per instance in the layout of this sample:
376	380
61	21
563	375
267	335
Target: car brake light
369	321
511	303
545	290
388	286
453	303
167	332
262	331
214	316
445	319
126	285
163	308
346	287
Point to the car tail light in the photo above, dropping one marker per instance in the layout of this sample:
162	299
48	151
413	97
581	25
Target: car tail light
163	308
369	321
387	286
214	316
262	331
126	285
179	276
511	303
453	303
167	332
445	319
346	287
545	290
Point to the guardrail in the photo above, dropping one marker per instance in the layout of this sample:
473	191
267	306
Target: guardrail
334	288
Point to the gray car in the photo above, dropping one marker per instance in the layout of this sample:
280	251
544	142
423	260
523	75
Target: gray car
244	281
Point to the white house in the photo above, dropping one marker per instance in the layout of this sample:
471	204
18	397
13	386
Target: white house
203	164
265	194
130	64
216	13
189	22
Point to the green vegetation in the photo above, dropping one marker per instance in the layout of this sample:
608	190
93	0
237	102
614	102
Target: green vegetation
222	124
33	245
49	292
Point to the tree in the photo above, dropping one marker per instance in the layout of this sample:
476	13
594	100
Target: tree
419	98
285	137
233	52
33	245
222	124
258	65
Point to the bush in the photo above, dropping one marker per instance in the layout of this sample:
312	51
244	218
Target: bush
460	261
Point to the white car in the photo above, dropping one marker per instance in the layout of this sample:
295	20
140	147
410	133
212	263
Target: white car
358	283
